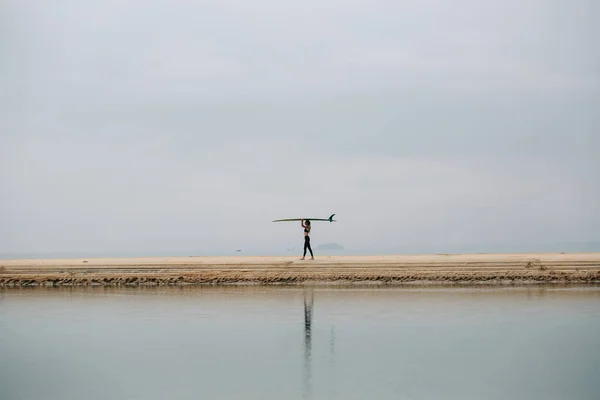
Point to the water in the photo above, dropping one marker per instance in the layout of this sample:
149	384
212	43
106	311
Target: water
294	343
296	250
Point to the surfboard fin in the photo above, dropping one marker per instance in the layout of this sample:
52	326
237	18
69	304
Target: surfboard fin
331	218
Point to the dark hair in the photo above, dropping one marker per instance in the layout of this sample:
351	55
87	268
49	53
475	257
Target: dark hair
308	222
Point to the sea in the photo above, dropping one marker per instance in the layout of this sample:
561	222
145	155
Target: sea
301	342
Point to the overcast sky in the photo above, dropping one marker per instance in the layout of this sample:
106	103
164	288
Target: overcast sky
173	126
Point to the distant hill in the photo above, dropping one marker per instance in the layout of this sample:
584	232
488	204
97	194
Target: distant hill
330	246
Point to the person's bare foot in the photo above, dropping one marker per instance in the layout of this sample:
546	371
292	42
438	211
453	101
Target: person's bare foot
302	258
312	258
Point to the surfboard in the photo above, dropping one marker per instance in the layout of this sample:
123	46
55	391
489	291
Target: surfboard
330	219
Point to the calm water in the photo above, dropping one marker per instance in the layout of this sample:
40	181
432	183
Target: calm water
294	343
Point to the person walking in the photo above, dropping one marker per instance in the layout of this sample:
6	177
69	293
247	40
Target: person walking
307	227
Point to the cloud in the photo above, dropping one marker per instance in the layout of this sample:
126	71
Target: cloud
153	125
231	48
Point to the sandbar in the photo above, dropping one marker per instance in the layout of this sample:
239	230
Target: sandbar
402	269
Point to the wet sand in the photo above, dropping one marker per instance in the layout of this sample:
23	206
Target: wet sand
440	268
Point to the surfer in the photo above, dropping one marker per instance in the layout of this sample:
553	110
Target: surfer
307	239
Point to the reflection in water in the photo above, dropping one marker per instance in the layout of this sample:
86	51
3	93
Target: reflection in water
332	344
308	312
308	319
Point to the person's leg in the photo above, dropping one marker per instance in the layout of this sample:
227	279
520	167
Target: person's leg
310	249
305	246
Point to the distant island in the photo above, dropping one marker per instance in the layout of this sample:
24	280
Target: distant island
330	246
321	247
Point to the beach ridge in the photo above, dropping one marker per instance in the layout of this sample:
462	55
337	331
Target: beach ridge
435	268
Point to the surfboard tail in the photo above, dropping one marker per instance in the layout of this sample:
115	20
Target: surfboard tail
331	218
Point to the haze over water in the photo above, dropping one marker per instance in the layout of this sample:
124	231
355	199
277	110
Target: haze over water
293	343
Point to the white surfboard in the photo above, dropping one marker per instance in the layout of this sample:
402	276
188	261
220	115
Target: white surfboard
330	219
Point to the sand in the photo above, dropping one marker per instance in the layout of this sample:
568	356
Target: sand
440	268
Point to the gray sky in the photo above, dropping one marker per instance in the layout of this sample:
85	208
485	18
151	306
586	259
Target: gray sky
158	125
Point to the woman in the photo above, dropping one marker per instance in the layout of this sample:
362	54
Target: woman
307	239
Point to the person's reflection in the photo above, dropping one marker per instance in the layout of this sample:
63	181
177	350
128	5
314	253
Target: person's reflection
332	345
308	312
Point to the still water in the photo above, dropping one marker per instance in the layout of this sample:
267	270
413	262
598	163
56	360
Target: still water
294	343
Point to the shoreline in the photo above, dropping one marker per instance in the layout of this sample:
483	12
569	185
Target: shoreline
499	269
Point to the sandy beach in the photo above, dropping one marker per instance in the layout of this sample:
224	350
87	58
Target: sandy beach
440	268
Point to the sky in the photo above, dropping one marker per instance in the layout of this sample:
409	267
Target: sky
159	126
